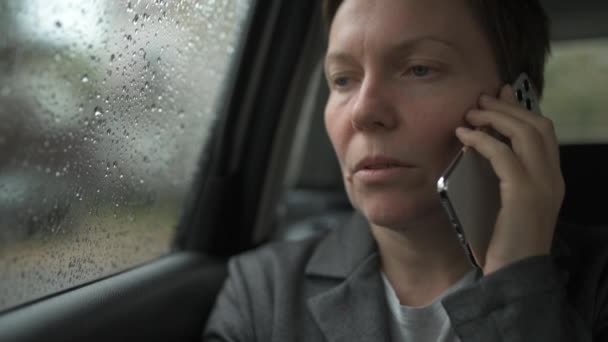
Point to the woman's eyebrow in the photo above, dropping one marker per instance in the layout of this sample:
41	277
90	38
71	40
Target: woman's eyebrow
401	48
339	57
409	45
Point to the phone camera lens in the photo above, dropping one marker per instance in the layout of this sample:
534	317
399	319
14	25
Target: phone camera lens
528	104
526	85
520	95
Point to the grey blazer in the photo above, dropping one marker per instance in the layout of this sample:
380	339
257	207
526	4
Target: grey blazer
329	288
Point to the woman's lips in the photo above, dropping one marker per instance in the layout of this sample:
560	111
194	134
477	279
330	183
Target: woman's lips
381	174
380	169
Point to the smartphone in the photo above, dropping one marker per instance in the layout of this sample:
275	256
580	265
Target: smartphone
469	188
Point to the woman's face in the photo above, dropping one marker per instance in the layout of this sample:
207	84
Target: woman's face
402	75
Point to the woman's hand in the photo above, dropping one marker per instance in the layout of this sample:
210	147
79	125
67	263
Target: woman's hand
531	183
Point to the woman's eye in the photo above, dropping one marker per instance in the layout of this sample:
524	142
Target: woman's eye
341	81
420	70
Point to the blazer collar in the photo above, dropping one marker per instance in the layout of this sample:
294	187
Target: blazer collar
355	309
342	251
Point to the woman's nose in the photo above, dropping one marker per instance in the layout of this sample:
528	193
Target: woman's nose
372	109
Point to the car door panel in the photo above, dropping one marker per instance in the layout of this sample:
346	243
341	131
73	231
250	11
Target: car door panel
164	300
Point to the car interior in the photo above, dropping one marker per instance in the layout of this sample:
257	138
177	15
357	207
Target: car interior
269	174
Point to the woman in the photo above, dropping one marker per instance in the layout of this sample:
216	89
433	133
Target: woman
409	80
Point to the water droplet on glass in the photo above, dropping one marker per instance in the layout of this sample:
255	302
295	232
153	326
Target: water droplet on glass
135	19
58	24
85	78
98	111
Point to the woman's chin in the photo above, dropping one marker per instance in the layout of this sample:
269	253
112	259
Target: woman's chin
399	212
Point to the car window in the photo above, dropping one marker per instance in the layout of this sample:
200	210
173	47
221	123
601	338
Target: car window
105	107
575	97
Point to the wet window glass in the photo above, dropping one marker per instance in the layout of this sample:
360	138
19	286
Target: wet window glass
575	97
105	108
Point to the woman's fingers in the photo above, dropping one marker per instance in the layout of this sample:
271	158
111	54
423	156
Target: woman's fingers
531	184
507	104
528	144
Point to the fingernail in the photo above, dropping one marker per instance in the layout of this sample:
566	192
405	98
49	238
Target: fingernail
462	130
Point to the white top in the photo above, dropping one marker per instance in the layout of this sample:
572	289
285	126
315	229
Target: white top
428	323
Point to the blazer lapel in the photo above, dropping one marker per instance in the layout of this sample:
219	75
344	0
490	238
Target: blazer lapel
355	309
